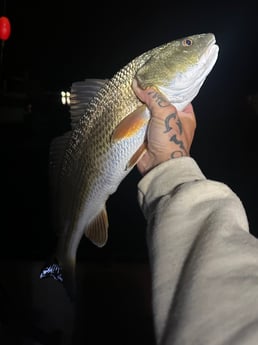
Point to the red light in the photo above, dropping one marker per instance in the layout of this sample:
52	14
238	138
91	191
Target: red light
5	28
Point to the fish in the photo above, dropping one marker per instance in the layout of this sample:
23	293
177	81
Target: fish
108	137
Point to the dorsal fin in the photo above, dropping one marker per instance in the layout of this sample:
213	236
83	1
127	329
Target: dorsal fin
81	94
56	154
97	231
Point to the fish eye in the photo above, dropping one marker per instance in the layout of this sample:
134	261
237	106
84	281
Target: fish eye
187	42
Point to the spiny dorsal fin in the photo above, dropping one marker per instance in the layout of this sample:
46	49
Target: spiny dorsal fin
97	231
81	94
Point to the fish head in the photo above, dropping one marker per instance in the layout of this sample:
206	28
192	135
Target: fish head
179	68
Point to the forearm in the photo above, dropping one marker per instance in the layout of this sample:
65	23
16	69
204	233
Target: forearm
199	251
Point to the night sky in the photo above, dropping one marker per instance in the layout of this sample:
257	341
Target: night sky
55	44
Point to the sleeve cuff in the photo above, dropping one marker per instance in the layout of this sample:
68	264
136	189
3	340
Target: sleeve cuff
164	178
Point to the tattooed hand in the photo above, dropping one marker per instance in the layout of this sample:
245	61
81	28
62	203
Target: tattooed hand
170	133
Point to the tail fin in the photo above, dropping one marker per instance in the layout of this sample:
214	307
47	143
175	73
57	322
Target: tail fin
65	274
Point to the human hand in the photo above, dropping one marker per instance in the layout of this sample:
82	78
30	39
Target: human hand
170	132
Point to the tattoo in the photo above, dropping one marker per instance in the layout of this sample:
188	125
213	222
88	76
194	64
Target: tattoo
179	125
167	119
178	142
174	116
159	99
177	154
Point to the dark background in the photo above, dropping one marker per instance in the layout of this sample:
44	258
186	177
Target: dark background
53	44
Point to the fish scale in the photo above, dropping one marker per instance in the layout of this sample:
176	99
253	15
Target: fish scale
107	138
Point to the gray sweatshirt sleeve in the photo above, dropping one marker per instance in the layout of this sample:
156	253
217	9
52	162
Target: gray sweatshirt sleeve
204	261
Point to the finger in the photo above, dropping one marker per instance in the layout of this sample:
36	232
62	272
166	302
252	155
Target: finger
150	96
188	108
188	115
157	103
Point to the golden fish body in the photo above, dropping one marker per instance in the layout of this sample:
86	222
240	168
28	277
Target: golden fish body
108	138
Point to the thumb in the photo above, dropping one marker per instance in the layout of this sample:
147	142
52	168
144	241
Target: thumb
157	103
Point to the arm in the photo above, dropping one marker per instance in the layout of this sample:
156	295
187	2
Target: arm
204	262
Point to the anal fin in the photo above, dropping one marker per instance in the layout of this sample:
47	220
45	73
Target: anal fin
97	231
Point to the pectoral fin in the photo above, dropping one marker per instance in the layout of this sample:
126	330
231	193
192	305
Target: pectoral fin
97	231
131	124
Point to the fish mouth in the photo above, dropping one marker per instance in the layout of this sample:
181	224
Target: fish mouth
211	53
207	62
189	86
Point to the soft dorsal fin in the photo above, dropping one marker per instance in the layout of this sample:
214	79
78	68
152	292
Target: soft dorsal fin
97	231
56	155
81	94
